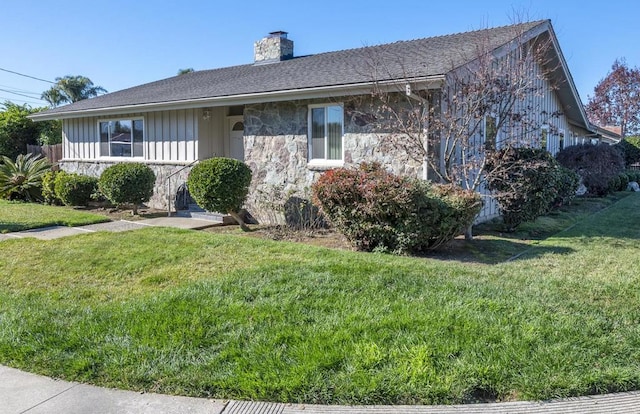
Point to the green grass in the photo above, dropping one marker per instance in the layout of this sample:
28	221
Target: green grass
16	216
227	316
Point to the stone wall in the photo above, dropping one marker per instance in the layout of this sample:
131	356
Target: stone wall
162	171
276	150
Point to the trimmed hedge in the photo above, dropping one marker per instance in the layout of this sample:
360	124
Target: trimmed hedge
74	189
48	188
597	165
127	183
377	210
220	184
524	182
630	147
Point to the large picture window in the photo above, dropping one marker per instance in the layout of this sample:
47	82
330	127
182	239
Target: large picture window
325	132
122	138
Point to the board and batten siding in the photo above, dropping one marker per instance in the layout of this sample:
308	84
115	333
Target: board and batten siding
169	136
547	106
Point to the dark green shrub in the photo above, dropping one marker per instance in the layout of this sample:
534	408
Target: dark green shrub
127	183
624	181
630	147
74	189
377	210
597	165
566	183
221	185
523	183
22	179
634	175
48	188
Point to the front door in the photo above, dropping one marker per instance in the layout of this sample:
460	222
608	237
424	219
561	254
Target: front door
236	138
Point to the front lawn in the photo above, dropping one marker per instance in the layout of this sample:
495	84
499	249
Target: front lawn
227	316
17	216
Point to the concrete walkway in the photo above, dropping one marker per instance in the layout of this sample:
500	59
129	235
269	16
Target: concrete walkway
55	232
24	393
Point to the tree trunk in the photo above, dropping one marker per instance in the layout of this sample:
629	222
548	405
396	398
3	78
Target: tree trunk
468	232
240	221
134	210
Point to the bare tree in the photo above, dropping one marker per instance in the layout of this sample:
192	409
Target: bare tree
488	102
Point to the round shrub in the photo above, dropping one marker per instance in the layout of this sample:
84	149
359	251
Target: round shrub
377	210
221	185
566	182
597	165
74	189
127	183
522	180
48	188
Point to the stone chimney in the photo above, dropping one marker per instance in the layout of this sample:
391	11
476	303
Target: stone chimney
273	48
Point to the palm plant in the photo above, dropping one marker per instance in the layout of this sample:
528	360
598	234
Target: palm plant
71	89
22	179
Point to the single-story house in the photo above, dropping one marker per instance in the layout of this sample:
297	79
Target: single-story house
290	117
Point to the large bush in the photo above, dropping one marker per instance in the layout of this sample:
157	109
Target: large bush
22	179
74	189
596	165
127	183
523	181
630	147
221	185
377	210
566	183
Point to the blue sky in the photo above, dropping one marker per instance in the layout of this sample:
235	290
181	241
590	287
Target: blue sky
119	44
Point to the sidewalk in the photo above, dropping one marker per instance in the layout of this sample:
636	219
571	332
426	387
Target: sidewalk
24	393
55	232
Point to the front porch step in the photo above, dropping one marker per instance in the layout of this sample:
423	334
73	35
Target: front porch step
201	214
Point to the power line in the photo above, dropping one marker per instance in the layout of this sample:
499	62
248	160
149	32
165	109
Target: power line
12	89
20	94
19	100
26	76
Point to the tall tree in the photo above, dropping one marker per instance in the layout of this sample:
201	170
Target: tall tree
71	89
616	99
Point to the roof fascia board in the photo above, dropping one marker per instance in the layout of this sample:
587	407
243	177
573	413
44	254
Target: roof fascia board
396	85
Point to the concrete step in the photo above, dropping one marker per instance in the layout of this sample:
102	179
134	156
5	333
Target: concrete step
206	215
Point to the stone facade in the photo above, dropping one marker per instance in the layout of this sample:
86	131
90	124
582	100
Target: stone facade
276	150
273	48
162	171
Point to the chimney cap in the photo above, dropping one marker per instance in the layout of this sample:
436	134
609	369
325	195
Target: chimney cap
278	33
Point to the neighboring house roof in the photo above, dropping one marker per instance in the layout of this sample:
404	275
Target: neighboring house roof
329	72
608	134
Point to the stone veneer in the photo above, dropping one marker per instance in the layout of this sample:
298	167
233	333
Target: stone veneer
162	171
276	150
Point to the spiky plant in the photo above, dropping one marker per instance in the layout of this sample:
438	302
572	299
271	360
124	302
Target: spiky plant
22	179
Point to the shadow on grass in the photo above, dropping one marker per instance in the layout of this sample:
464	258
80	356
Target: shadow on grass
493	251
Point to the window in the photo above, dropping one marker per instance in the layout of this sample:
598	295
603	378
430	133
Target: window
121	138
325	132
544	134
561	139
490	132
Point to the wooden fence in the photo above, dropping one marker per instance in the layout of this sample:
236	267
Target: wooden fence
51	152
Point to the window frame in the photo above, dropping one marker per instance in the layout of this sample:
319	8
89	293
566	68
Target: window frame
324	161
131	119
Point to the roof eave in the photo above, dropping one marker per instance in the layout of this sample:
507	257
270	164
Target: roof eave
426	82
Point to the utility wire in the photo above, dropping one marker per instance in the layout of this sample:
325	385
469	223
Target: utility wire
21	94
19	100
20	90
26	76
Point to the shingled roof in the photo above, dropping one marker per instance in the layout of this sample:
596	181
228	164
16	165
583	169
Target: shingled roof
428	57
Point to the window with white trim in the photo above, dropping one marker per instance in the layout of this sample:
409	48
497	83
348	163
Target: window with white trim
325	132
490	132
122	137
